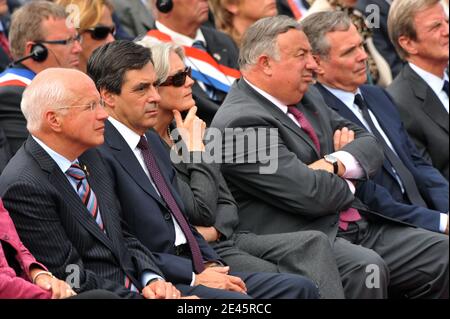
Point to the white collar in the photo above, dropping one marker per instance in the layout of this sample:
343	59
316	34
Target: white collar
62	162
348	98
283	107
179	38
436	83
129	135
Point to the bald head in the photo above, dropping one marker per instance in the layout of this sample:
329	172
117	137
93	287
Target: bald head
51	89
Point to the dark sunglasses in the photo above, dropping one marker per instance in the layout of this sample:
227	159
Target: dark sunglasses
178	79
101	32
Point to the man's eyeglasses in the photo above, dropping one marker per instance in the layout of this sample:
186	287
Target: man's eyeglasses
179	79
92	106
101	32
68	41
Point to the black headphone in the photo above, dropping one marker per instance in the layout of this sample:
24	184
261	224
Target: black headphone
164	6
38	53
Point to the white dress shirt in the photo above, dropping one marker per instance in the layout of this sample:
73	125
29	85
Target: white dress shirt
435	83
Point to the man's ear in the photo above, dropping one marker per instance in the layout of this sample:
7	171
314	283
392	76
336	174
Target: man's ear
319	61
108	97
265	64
54	120
408	44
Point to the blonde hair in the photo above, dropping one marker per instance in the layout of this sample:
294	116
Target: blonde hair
91	11
224	18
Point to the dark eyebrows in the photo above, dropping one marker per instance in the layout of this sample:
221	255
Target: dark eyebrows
142	85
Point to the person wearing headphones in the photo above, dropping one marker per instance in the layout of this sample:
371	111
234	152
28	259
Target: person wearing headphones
96	25
41	37
212	55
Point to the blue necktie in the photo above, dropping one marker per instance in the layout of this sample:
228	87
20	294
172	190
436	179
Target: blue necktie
445	88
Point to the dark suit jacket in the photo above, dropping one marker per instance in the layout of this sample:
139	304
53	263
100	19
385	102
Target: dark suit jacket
12	120
134	17
388	198
294	197
206	197
57	228
144	210
380	34
424	116
223	49
5	153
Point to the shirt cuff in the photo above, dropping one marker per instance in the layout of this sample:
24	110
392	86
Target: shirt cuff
444	222
352	168
351	186
148	276
193	280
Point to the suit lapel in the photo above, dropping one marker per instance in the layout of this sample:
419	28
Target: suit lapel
280	116
332	101
59	180
431	103
128	161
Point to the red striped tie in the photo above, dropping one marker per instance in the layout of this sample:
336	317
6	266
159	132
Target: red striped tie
86	194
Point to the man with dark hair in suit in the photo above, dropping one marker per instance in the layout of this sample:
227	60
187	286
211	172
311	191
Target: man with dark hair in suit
61	198
419	31
147	184
318	157
212	54
37	22
407	187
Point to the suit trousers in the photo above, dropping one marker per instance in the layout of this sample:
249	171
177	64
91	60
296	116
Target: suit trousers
384	259
260	286
306	253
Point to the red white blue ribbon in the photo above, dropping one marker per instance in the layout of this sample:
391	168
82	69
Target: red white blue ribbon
16	77
204	67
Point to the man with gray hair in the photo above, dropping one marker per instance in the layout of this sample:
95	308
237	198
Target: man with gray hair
419	31
40	38
61	197
407	188
321	157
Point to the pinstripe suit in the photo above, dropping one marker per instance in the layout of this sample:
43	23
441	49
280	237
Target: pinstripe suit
57	228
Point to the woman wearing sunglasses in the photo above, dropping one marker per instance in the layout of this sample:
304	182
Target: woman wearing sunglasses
210	205
96	25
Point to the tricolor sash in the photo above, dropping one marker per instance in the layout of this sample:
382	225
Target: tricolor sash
16	77
204	67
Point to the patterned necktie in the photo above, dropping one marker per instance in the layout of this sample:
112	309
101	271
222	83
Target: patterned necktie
209	89
86	194
4	43
305	125
167	196
89	199
349	215
445	88
408	181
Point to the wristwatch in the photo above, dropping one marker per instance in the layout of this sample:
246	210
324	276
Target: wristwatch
332	160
